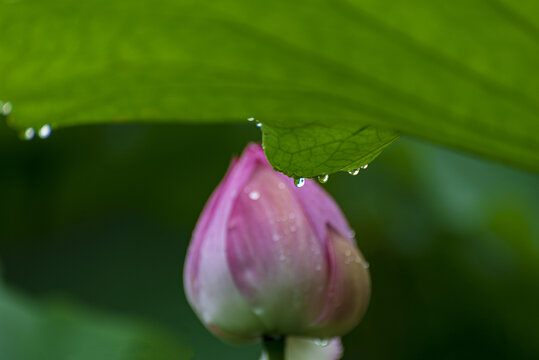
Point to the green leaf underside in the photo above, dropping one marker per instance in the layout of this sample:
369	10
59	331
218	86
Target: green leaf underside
313	150
462	73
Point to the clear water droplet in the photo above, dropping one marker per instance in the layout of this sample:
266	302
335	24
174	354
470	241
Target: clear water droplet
206	316
291	216
299	182
251	119
366	265
258	311
29	133
259	124
254	195
358	259
281	186
347	252
45	131
352	234
354	172
7	108
322	342
365	166
276	237
322	179
318	267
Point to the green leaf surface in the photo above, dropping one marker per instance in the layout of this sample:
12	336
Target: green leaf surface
58	331
333	82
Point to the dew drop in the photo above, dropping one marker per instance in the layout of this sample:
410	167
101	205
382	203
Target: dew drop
366	265
29	133
322	179
365	166
259	124
321	342
276	237
206	316
354	172
358	259
258	311
352	234
318	267
299	182
291	216
348	252
281	186
45	131
7	108
251	119
254	195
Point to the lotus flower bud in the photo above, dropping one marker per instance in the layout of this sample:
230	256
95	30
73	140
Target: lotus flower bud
267	258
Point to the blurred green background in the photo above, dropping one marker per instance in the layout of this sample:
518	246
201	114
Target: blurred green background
95	221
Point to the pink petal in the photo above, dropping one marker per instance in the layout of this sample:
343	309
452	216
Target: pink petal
208	282
349	286
277	262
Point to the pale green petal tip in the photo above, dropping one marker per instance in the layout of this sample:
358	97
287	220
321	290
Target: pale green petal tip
311	349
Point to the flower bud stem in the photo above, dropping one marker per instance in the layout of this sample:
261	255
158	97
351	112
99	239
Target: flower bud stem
274	347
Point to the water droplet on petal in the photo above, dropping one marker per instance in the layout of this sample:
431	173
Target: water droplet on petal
318	267
258	311
321	342
354	172
291	216
299	182
281	185
29	133
276	237
45	131
366	265
206	316
365	166
259	124
322	179
254	195
352	234
348	252
251	119
358	259
7	108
